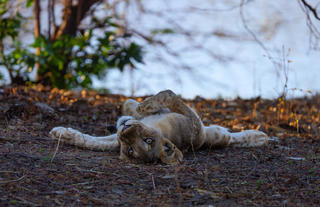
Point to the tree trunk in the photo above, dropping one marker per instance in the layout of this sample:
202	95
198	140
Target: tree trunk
37	32
72	16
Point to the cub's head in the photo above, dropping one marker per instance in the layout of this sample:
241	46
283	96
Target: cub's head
140	143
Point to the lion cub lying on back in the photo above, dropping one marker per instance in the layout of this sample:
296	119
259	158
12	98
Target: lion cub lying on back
160	128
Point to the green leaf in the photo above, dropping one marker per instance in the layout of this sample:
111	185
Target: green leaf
29	3
3	8
17	55
60	65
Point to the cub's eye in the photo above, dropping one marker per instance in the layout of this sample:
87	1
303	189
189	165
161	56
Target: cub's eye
148	140
130	151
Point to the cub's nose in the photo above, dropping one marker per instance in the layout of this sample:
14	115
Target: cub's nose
122	121
125	126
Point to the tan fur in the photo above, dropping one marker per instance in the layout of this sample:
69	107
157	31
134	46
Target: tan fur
160	128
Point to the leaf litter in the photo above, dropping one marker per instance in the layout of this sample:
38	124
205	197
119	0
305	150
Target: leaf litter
34	171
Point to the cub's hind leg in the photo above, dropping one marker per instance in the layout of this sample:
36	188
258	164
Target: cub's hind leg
220	136
129	108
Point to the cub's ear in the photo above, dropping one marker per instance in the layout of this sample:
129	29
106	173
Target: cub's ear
169	153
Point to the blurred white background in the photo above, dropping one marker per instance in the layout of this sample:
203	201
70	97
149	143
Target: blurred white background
213	51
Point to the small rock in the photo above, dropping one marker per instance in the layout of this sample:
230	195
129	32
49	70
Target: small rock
47	110
38	125
168	176
117	191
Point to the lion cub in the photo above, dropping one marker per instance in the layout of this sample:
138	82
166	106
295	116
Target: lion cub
160	129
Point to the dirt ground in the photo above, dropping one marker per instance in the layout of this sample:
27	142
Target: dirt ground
35	172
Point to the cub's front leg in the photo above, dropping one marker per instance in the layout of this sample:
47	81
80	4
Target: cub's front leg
129	108
74	137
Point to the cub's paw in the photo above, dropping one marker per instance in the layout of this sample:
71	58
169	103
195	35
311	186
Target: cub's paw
157	103
258	138
57	132
167	93
65	134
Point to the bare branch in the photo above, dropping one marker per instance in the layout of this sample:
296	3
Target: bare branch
314	31
245	25
313	10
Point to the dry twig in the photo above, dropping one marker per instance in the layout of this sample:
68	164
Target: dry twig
55	152
153	184
12	181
